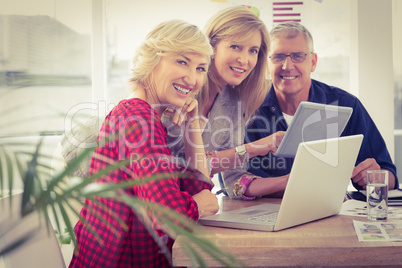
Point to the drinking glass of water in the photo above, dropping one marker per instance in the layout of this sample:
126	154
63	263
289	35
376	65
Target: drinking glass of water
377	195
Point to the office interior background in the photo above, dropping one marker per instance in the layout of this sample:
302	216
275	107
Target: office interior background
63	59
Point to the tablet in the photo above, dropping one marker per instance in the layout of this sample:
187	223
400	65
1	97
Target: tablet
313	121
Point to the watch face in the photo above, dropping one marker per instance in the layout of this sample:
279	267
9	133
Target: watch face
241	149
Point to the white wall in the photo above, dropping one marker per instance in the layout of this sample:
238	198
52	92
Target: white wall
372	74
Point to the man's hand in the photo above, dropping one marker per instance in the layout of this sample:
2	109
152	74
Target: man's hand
359	173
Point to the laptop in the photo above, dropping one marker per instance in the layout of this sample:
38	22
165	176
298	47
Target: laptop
41	250
316	188
313	121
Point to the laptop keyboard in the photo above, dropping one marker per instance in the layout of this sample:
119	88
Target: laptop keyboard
269	217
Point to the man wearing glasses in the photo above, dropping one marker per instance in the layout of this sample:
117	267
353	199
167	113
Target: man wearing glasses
291	61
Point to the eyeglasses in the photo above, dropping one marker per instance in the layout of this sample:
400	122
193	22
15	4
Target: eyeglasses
296	57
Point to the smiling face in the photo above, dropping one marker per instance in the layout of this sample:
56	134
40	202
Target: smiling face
177	77
235	60
291	80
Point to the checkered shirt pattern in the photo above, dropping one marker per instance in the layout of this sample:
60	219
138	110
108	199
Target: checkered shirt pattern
133	130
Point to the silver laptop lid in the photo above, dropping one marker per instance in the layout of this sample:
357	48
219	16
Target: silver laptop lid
313	121
316	188
318	181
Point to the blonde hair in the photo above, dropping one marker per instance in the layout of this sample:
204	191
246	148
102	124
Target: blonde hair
173	36
240	21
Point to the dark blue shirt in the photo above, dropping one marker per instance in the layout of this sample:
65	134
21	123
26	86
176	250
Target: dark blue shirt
269	119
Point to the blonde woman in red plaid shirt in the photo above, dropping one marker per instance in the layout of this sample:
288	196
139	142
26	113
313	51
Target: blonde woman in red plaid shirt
170	67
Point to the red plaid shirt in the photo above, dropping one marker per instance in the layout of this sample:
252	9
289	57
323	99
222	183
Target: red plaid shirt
133	130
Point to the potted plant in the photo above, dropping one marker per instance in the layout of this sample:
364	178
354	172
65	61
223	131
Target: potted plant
57	193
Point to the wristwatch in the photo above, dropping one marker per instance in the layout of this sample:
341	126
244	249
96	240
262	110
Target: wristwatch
241	152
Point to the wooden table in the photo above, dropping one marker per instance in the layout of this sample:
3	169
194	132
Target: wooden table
327	242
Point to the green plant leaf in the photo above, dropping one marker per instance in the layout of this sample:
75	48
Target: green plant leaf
195	257
29	183
69	227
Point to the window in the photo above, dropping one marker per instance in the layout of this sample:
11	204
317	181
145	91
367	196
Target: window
45	64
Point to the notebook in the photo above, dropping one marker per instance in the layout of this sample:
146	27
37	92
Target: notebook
316	188
394	196
313	121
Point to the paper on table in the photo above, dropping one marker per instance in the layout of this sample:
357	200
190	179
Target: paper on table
378	231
